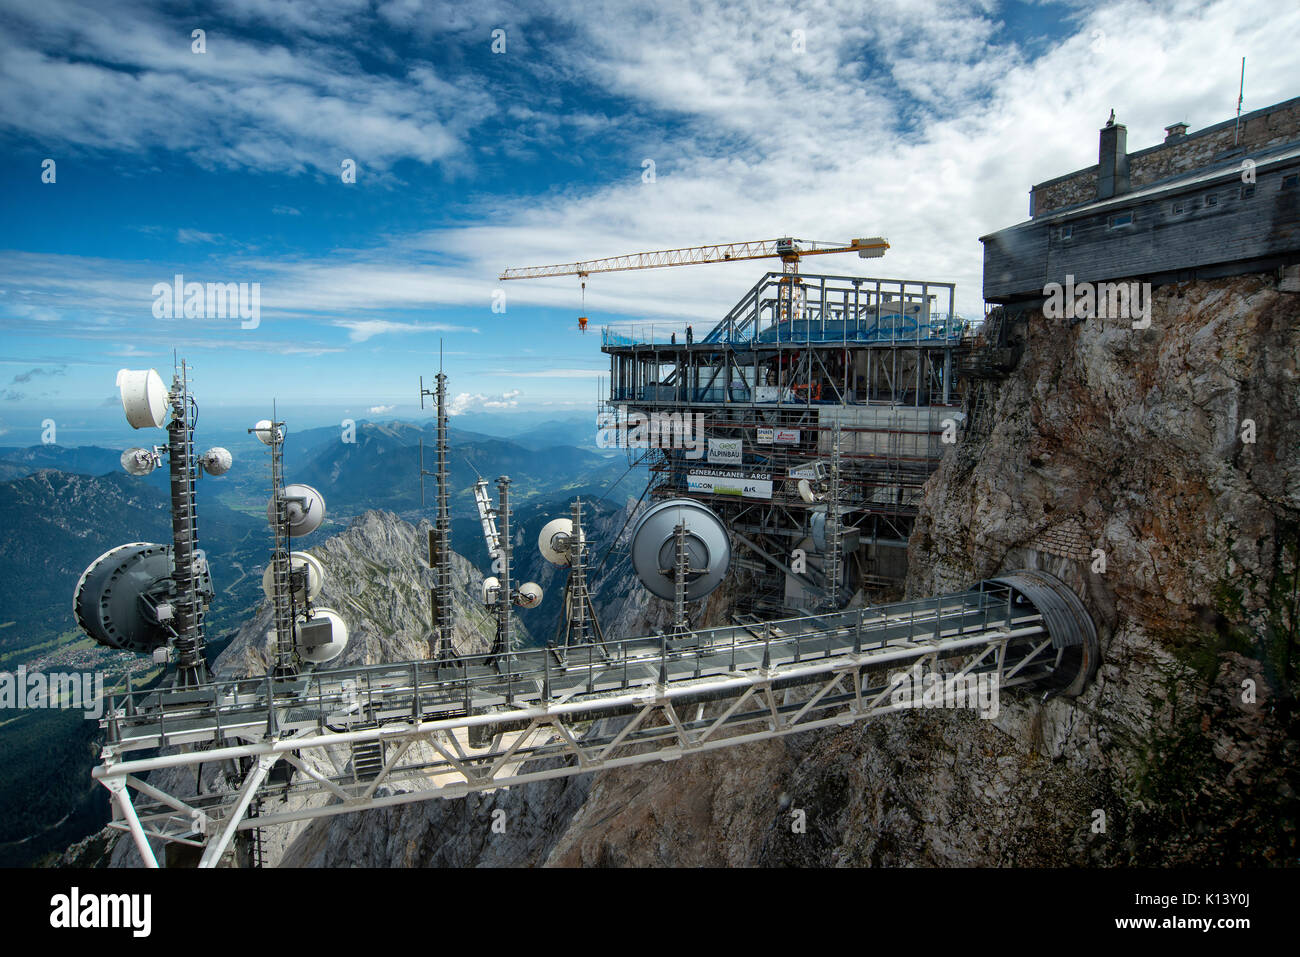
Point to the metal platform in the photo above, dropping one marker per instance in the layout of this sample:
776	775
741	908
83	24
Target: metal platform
492	723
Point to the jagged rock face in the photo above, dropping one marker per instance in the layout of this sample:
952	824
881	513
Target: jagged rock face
1136	438
378	579
503	828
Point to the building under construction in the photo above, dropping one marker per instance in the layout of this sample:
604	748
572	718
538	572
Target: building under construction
825	402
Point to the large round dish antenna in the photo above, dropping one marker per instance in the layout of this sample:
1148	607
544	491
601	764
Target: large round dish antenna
262	429
553	540
323	637
126	596
138	461
654	548
530	595
297	560
216	460
304	516
144	397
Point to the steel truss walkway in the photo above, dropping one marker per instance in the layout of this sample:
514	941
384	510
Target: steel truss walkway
445	731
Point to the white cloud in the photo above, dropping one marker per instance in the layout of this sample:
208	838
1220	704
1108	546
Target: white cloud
920	122
468	402
936	148
125	78
381	409
360	330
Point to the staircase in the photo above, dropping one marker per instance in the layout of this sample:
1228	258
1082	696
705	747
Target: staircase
367	760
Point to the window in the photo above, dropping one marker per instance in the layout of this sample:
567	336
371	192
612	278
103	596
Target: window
1067	232
1120	219
1291	180
1177	207
1248	191
1211	199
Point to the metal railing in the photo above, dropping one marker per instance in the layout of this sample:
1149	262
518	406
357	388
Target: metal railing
417	689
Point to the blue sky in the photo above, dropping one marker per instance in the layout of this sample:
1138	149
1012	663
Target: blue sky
925	122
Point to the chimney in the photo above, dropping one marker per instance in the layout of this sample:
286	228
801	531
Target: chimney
1175	132
1112	171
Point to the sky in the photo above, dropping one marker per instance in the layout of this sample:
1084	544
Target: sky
491	135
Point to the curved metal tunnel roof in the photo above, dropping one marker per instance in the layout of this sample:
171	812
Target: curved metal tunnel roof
1068	621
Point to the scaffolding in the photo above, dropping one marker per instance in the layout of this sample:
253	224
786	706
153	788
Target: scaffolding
801	364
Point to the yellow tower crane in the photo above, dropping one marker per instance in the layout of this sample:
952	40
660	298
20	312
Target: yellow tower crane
788	250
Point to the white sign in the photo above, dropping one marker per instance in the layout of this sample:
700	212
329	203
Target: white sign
779	436
808	471
766	393
719	482
725	451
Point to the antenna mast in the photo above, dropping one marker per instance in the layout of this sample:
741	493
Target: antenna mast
834	540
440	643
502	644
191	668
282	595
581	622
1241	94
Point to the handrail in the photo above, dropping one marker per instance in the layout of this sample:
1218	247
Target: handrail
387	691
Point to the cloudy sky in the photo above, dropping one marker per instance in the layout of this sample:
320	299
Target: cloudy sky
925	122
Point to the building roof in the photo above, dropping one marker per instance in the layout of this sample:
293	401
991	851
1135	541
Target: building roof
1224	170
1187	137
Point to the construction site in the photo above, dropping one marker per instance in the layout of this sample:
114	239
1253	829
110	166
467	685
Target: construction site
826	402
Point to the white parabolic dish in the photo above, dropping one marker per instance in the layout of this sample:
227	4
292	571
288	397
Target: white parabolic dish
144	397
315	576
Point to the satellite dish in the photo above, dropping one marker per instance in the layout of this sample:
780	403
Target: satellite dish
490	587
654	547
315	577
263	432
553	542
126	596
530	595
806	492
216	460
818	523
138	461
144	397
321	638
305	516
